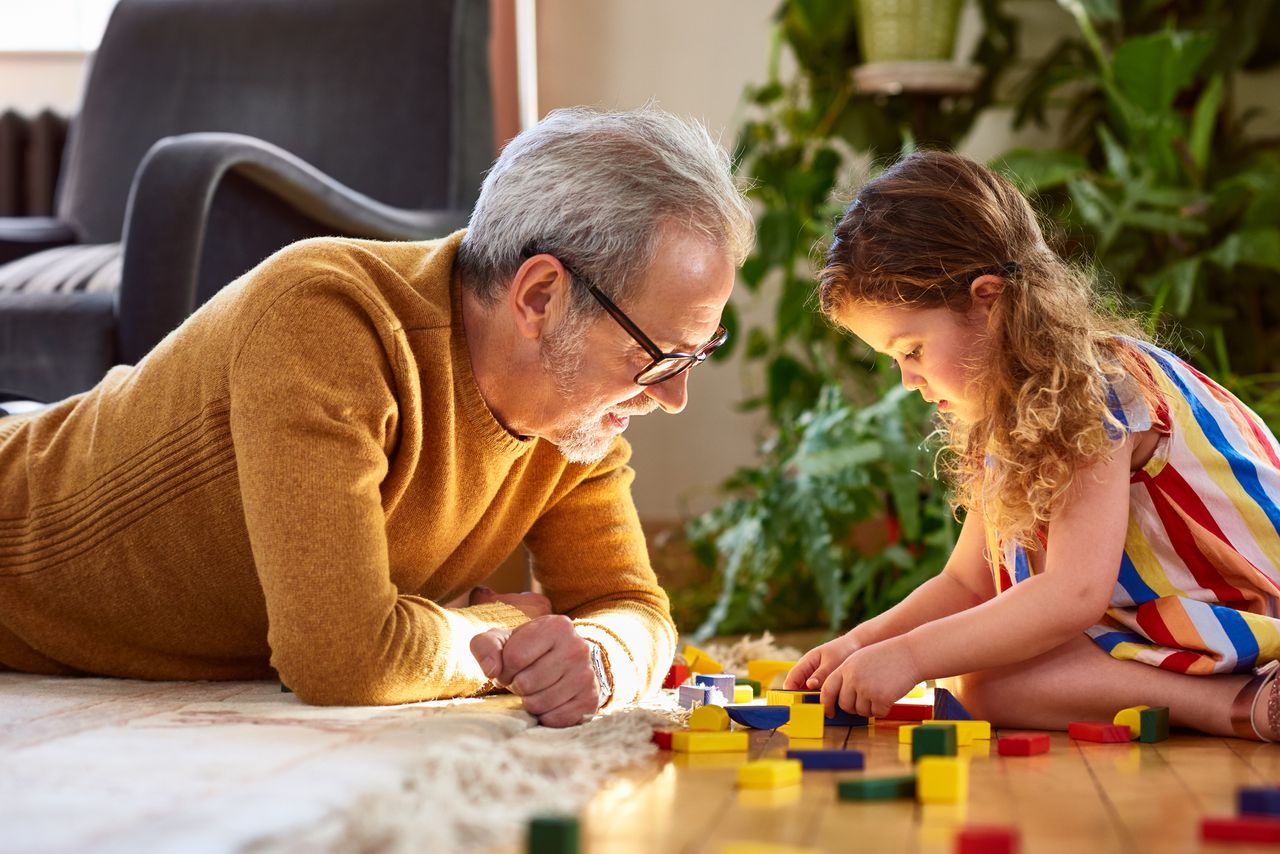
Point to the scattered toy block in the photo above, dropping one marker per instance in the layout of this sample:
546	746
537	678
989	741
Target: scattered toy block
700	662
933	740
843	718
709	742
662	738
1132	718
759	717
1023	744
947	708
986	839
904	733
942	780
1155	724
828	760
1259	801
916	693
769	773
806	721
709	718
909	712
755	685
676	676
721	683
969	730
285	689
784	697
1253	828
877	788
743	694
692	696
553	834
765	670
1097	731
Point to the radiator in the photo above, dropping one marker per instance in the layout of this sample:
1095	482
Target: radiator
30	157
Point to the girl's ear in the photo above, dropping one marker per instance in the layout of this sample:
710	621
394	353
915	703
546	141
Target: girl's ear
985	289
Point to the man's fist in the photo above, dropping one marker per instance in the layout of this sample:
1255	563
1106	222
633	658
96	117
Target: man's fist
533	604
546	662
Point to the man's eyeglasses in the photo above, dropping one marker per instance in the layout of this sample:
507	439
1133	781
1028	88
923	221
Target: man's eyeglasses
663	366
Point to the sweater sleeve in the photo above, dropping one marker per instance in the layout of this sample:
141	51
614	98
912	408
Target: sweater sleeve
589	553
314	415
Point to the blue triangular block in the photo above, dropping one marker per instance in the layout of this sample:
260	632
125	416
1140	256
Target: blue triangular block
947	708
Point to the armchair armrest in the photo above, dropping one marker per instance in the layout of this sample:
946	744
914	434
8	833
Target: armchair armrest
26	235
167	219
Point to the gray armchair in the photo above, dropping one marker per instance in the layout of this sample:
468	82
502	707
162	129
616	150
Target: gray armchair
213	132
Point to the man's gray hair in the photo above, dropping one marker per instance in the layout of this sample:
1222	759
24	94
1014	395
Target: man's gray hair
595	189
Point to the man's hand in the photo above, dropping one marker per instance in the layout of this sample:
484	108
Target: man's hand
872	679
546	662
533	604
816	665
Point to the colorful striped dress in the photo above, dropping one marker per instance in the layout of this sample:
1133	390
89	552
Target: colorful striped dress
1200	575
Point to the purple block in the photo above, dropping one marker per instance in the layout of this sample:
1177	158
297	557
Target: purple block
828	760
1259	801
947	708
721	682
843	718
758	717
693	695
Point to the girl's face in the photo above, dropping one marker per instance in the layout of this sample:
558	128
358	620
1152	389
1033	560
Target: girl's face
936	350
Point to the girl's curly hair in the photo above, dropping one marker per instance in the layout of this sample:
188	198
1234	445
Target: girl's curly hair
919	235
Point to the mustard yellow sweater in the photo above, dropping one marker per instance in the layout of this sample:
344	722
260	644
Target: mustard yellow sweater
290	484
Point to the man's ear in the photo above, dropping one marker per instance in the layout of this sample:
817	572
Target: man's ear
537	295
985	290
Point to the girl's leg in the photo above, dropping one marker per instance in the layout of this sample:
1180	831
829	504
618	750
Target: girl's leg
1078	681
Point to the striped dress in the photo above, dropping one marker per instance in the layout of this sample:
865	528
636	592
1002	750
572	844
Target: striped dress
1199	578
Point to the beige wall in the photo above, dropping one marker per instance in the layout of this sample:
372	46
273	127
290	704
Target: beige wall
30	82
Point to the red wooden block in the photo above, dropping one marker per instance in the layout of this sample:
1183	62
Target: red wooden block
909	712
1250	828
1098	731
676	676
1023	744
662	738
987	839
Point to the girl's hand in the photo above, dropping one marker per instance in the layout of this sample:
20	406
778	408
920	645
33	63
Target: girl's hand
816	664
872	679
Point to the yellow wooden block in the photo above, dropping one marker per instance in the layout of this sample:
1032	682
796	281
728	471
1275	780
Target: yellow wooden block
904	733
743	694
967	731
1132	718
806	721
709	719
709	742
942	780
765	670
779	697
769	773
916	692
700	662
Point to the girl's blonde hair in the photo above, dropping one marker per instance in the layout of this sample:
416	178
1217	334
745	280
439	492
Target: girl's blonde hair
918	236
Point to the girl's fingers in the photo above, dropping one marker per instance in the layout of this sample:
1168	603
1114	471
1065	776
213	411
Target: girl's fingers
798	676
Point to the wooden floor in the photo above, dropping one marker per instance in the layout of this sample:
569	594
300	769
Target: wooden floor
1077	798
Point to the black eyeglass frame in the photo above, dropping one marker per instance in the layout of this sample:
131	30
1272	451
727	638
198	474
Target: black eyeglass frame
656	354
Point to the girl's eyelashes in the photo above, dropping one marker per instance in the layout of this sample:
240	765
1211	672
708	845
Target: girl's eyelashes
914	354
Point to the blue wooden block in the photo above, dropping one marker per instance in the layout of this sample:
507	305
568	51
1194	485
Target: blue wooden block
759	717
828	760
722	682
947	708
693	695
1259	801
843	718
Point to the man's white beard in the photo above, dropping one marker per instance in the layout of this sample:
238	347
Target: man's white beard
562	357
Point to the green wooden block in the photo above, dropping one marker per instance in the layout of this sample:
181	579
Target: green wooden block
755	684
933	740
553	834
1154	723
877	788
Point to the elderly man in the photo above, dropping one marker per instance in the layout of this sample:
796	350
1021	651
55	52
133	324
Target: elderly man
353	434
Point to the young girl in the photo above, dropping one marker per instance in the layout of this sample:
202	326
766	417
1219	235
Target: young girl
1121	544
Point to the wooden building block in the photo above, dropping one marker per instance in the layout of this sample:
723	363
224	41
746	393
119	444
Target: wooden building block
876	788
942	780
986	839
693	695
743	694
828	760
676	676
968	731
1097	731
916	692
933	740
904	733
756	690
1259	800
700	662
720	683
662	738
1023	744
909	712
782	697
709	718
1155	724
769	773
765	670
806	721
709	742
1252	828
947	708
553	834
759	717
843	718
1132	718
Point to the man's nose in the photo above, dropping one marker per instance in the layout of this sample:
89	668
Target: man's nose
671	395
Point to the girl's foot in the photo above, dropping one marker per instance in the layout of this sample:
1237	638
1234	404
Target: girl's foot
1256	710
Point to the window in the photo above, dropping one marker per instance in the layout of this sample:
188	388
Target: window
52	25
